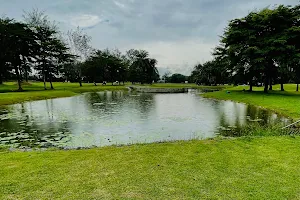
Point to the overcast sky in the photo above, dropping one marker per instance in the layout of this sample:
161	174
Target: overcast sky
178	33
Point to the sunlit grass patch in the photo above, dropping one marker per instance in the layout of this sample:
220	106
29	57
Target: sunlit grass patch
241	168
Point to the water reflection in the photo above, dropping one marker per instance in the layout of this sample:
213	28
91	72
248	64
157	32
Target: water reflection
119	117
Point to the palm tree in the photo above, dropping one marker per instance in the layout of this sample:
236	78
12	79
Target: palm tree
143	68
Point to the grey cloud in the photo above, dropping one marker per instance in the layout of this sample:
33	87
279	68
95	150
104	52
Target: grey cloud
191	25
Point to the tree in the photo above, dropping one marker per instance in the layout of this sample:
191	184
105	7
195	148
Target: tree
166	76
5	39
59	56
262	44
210	73
79	43
177	78
19	46
105	65
142	68
50	47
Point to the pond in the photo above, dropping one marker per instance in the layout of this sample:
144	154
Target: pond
118	117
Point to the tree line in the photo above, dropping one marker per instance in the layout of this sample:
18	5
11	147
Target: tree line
36	49
262	48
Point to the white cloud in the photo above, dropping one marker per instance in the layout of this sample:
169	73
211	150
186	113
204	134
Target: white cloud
179	56
86	20
120	5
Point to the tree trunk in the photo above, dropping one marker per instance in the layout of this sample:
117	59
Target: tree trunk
44	79
266	84
1	80
52	88
251	85
270	84
20	85
95	84
44	73
281	86
297	89
19	79
80	78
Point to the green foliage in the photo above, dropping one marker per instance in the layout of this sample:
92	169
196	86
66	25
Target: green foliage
210	73
18	44
51	52
176	78
38	44
112	65
34	44
142	68
262	47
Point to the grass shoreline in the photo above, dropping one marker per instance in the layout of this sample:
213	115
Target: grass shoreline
213	97
35	90
284	103
61	90
247	167
240	168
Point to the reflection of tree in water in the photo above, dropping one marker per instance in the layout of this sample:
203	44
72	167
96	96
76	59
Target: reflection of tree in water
224	122
121	101
252	112
23	129
145	104
104	97
262	116
255	117
229	113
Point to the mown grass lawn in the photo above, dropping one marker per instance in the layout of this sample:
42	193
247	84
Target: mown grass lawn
286	103
243	168
233	168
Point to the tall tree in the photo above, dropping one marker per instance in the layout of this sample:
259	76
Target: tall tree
5	40
79	44
49	45
142	68
19	46
263	44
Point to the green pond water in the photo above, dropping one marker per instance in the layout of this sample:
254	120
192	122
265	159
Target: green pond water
118	117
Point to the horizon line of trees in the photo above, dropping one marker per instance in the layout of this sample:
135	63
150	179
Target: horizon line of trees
35	48
262	48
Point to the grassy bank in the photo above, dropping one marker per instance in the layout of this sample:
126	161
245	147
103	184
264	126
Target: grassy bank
188	85
35	91
285	103
243	168
262	166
